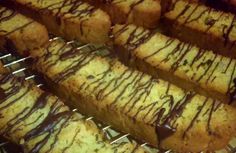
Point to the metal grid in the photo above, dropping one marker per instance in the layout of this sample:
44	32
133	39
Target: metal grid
19	66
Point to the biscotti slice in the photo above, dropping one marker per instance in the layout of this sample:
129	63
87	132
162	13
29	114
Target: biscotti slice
71	19
182	64
20	33
140	12
41	123
203	26
149	109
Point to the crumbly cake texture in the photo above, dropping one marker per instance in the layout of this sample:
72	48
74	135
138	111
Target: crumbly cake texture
133	102
140	12
20	33
202	25
71	19
41	123
183	64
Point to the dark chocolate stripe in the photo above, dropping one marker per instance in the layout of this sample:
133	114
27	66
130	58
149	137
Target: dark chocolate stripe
115	85
66	10
168	43
200	108
226	30
6	14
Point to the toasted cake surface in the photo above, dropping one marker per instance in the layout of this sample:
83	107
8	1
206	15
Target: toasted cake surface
147	108
40	122
140	12
18	32
202	25
71	19
174	58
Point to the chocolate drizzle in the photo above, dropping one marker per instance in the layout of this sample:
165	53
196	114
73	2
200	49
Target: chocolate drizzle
137	37
204	66
12	91
127	90
39	104
165	128
67	10
163	132
46	127
6	15
194	13
227	32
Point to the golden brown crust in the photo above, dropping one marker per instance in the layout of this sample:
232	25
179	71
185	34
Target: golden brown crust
140	12
147	108
202	25
71	19
19	33
41	123
183	64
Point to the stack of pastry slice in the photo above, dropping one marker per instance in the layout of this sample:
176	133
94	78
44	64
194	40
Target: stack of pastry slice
193	118
148	108
40	122
71	19
74	19
183	64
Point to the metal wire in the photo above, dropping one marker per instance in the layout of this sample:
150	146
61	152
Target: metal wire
107	129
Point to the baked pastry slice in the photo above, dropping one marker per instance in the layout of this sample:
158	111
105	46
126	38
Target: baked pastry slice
133	102
202	25
20	33
41	123
140	12
71	19
182	64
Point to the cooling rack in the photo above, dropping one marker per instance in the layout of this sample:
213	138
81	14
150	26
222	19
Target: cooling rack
20	66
